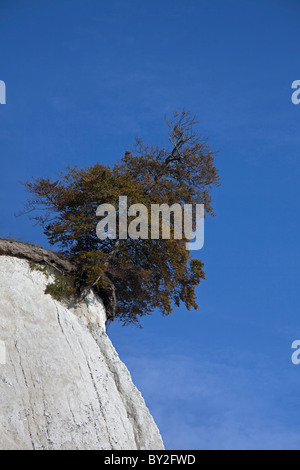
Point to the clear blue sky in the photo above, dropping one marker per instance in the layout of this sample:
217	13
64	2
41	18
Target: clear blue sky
84	77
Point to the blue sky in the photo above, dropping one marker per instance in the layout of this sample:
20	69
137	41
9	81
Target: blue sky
83	79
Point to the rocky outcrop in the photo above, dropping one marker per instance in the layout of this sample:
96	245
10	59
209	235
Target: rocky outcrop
62	384
36	254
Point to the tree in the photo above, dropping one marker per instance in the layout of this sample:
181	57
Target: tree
144	274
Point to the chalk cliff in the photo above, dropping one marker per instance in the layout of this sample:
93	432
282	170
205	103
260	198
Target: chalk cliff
62	384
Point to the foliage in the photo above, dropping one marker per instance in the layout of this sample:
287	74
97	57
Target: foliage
39	267
147	274
62	287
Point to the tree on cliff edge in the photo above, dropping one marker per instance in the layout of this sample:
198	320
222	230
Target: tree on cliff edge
146	274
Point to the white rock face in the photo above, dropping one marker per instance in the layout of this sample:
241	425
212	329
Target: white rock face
63	385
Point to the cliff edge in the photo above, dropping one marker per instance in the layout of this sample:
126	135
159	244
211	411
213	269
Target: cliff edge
62	384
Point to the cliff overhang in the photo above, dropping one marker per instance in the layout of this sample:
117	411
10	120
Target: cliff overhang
38	255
